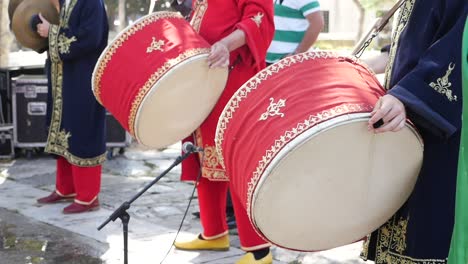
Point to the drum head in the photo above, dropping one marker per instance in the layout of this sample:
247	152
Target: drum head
179	102
351	180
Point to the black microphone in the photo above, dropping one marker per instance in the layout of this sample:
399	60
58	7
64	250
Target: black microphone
188	147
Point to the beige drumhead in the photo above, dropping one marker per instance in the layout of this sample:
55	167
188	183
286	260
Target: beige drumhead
179	102
335	184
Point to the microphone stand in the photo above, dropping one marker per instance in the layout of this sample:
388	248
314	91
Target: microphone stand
121	212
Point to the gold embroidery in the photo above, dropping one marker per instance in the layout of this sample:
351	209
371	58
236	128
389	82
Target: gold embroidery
365	248
258	18
391	244
66	13
443	84
57	140
273	109
64	43
289	135
403	18
154	78
62	138
123	36
199	12
399	237
53	49
211	166
253	84
155	45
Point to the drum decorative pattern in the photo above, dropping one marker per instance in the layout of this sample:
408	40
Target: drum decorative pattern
284	120
138	58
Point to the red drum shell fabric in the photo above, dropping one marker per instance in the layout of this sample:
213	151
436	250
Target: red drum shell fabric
283	101
138	57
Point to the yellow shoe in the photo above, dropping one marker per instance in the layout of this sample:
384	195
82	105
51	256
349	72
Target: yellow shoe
217	244
249	259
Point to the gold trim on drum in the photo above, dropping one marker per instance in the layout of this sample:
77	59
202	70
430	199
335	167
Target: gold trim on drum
155	77
295	137
290	135
118	41
253	84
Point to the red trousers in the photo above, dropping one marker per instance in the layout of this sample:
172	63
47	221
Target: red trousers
83	183
212	201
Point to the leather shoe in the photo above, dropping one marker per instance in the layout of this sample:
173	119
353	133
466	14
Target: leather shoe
217	244
250	259
54	197
76	208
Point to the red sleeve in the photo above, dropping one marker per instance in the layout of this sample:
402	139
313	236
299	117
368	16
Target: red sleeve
258	26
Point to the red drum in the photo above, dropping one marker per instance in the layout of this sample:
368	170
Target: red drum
295	143
154	78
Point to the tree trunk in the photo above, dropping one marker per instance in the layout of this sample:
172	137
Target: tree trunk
5	35
362	14
122	15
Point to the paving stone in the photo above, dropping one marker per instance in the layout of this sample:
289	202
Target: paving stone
155	216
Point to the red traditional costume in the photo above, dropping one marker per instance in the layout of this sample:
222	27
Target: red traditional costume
76	120
215	20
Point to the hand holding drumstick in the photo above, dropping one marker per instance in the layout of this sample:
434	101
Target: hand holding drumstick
391	111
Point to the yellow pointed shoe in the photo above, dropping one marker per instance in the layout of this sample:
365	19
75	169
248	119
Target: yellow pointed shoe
217	244
250	259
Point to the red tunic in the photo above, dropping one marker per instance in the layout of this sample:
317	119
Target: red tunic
214	20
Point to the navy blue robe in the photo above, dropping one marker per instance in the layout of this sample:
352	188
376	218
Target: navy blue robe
77	121
425	74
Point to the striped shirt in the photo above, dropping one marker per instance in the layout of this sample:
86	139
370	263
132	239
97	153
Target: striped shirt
290	26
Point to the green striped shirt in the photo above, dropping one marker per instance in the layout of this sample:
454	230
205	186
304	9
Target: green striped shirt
290	26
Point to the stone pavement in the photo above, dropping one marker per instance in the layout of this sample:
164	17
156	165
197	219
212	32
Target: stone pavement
155	216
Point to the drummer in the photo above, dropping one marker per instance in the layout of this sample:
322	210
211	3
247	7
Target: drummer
240	35
76	120
424	82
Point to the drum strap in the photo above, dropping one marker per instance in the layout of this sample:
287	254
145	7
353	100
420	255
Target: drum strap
375	30
151	6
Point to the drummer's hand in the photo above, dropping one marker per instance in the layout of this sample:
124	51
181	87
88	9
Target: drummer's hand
43	28
219	55
391	111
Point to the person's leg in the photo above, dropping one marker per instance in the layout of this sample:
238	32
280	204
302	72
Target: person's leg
212	202
64	181
230	217
258	250
87	181
64	188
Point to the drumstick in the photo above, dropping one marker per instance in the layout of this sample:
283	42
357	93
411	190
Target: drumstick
379	122
151	7
376	28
